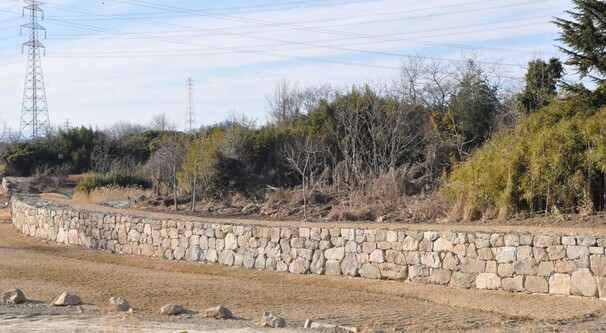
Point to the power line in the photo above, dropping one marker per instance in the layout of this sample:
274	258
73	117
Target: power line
264	52
233	49
380	38
450	33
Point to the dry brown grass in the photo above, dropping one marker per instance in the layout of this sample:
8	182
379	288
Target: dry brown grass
76	178
111	192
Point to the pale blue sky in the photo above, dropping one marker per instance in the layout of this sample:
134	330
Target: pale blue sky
127	60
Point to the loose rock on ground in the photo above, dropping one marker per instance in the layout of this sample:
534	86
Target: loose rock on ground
67	299
172	309
219	312
13	296
119	303
271	319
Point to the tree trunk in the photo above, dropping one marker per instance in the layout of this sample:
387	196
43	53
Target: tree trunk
193	188
175	187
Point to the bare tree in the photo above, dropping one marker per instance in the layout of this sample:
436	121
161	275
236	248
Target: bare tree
306	155
122	129
160	122
284	104
237	136
165	162
376	132
101	157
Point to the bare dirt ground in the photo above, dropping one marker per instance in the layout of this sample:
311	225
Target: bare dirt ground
44	270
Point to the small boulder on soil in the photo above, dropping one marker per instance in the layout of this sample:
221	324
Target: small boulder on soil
67	299
119	304
219	312
13	296
171	309
271	319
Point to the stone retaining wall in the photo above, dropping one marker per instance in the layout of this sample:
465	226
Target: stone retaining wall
518	262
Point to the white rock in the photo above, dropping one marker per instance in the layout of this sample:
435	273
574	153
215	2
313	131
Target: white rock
231	242
506	255
271	319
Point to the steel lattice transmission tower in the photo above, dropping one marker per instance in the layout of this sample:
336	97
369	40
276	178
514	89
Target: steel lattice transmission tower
190	116
34	112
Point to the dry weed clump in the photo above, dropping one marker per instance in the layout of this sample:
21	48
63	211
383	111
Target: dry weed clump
111	192
282	195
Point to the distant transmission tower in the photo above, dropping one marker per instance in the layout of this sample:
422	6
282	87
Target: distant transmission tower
34	112
191	117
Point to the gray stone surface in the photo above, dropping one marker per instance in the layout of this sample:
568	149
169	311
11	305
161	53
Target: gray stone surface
485	253
488	281
536	284
394	271
13	296
219	312
66	299
601	287
556	252
515	284
410	244
430	259
442	245
333	267
583	283
543	241
119	304
377	256
576	252
559	284
271	319
511	240
546	268
318	263
598	265
440	276
337	253
526	267
369	271
349	265
463	280
505	270
171	309
506	255
569	240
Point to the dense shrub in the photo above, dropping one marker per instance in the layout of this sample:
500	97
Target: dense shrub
554	161
90	183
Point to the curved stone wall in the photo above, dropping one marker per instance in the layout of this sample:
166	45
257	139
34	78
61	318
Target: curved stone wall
513	261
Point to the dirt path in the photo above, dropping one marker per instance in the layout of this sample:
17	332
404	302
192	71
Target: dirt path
577	227
43	270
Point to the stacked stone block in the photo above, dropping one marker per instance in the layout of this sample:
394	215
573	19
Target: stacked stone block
515	261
